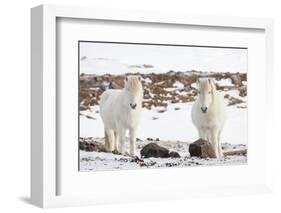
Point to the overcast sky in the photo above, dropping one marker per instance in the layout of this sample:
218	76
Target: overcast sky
108	57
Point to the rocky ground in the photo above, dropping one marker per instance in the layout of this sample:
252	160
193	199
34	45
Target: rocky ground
162	89
93	157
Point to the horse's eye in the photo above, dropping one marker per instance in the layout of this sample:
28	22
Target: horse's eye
209	92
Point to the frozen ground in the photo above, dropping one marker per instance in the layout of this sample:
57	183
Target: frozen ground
101	161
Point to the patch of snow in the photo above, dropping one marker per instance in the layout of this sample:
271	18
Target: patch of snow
224	82
235	94
171	89
194	85
159	83
178	85
147	80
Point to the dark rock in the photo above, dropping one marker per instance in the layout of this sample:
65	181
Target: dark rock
91	148
90	117
236	152
154	150
242	91
136	159
82	145
88	145
235	78
115	152
202	148
174	155
234	101
171	164
124	160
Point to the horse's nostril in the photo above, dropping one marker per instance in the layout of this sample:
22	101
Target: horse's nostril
204	109
133	106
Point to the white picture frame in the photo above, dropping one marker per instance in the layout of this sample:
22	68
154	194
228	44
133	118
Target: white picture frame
44	169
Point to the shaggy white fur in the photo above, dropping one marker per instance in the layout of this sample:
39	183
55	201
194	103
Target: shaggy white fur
208	114
120	111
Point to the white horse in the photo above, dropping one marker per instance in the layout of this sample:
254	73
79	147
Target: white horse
120	111
208	114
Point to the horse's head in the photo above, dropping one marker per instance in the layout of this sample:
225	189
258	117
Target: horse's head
206	89
134	90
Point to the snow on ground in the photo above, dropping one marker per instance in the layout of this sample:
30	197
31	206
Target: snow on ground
101	161
173	124
224	82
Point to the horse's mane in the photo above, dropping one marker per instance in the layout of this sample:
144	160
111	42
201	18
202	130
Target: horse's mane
205	82
133	84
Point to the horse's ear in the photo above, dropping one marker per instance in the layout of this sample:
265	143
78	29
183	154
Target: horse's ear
198	81
125	81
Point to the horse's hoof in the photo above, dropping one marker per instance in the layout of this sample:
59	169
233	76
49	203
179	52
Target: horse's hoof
133	154
221	157
108	150
116	152
136	159
125	154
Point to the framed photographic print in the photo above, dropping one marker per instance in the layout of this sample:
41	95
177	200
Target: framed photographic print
148	105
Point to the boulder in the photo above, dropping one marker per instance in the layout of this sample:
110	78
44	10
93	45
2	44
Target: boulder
202	149
156	151
91	146
174	155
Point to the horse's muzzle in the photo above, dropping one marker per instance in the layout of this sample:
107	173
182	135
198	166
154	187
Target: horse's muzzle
133	106
204	109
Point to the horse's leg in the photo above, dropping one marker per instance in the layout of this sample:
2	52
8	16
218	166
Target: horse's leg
132	142
106	141
116	141
219	144
207	135
109	140
214	142
121	133
202	134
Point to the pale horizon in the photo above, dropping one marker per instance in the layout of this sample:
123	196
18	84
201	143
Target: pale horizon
119	58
